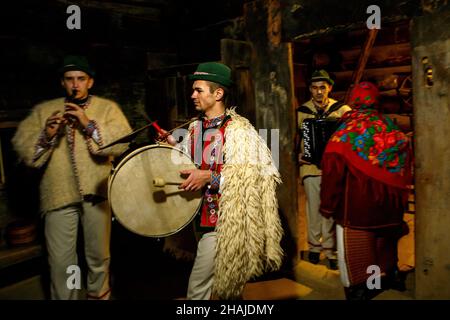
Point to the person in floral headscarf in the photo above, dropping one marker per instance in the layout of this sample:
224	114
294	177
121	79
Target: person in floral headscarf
366	175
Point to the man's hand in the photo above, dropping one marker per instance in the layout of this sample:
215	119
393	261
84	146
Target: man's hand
53	123
75	111
164	136
197	179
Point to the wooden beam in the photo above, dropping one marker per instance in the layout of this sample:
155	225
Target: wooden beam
12	256
237	55
430	43
271	71
274	23
143	12
364	56
8	124
144	3
347	27
365	53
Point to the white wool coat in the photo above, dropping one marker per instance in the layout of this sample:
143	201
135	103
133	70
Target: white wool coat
248	229
64	181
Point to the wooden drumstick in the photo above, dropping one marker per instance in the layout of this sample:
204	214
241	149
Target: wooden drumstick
160	182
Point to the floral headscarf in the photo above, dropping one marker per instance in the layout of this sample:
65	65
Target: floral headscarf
370	135
364	95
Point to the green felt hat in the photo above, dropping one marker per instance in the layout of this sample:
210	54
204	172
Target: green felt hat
321	75
214	72
76	63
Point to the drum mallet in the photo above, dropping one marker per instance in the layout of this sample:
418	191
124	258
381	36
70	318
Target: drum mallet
160	182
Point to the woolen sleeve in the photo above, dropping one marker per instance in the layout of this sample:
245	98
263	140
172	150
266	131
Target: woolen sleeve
28	140
333	183
107	130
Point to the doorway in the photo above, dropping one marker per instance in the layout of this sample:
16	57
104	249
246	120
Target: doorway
389	66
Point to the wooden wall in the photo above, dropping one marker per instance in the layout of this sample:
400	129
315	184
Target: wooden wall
271	70
431	43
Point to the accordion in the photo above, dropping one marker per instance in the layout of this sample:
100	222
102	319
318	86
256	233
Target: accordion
316	133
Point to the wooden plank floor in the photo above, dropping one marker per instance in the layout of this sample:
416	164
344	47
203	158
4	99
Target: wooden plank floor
280	289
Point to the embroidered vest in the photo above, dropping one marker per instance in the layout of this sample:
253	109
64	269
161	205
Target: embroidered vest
210	141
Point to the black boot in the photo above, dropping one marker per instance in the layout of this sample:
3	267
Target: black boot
395	280
333	264
314	257
361	292
358	292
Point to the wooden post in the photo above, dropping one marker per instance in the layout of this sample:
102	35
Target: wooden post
237	55
272	73
432	154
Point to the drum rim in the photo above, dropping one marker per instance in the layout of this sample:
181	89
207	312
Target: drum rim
121	163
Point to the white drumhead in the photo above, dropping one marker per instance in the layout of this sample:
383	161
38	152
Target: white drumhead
143	208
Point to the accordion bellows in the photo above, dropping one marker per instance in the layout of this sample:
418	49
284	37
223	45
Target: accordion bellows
316	133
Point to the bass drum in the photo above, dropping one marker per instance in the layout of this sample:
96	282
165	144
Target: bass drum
141	206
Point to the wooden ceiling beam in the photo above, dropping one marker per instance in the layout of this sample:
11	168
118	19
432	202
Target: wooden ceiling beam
144	3
143	12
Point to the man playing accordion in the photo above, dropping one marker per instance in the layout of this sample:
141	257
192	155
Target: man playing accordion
317	119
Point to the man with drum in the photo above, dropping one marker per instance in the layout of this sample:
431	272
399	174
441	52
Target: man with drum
62	137
239	215
321	231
